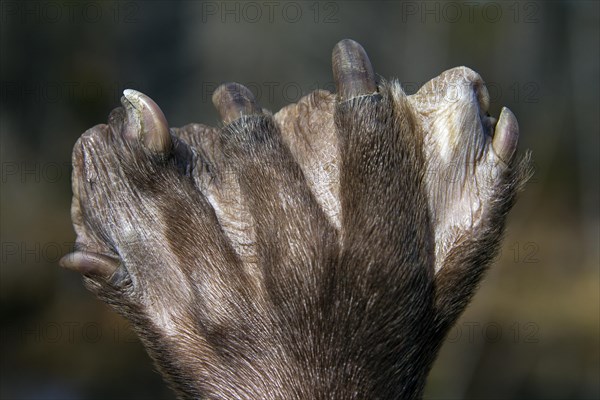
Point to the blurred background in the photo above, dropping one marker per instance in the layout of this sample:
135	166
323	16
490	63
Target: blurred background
532	330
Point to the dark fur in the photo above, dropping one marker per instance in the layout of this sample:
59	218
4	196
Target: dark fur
323	313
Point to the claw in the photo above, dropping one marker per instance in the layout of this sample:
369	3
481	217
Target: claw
483	95
145	119
233	100
506	135
352	70
89	263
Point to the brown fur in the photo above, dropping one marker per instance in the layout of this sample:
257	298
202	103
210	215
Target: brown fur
293	256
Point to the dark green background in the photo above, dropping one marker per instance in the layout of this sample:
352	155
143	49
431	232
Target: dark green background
531	332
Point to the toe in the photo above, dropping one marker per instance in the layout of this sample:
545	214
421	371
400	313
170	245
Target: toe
506	136
352	70
146	121
233	101
89	263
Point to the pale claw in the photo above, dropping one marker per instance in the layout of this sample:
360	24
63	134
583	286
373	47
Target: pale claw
506	136
145	120
88	263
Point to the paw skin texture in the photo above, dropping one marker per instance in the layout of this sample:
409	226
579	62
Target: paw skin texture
322	252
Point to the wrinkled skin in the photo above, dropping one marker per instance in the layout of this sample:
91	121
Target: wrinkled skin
319	253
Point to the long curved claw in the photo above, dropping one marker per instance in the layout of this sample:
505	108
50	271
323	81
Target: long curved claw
145	120
352	70
233	100
506	136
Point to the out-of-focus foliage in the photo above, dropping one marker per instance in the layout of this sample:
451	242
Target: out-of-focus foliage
533	328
